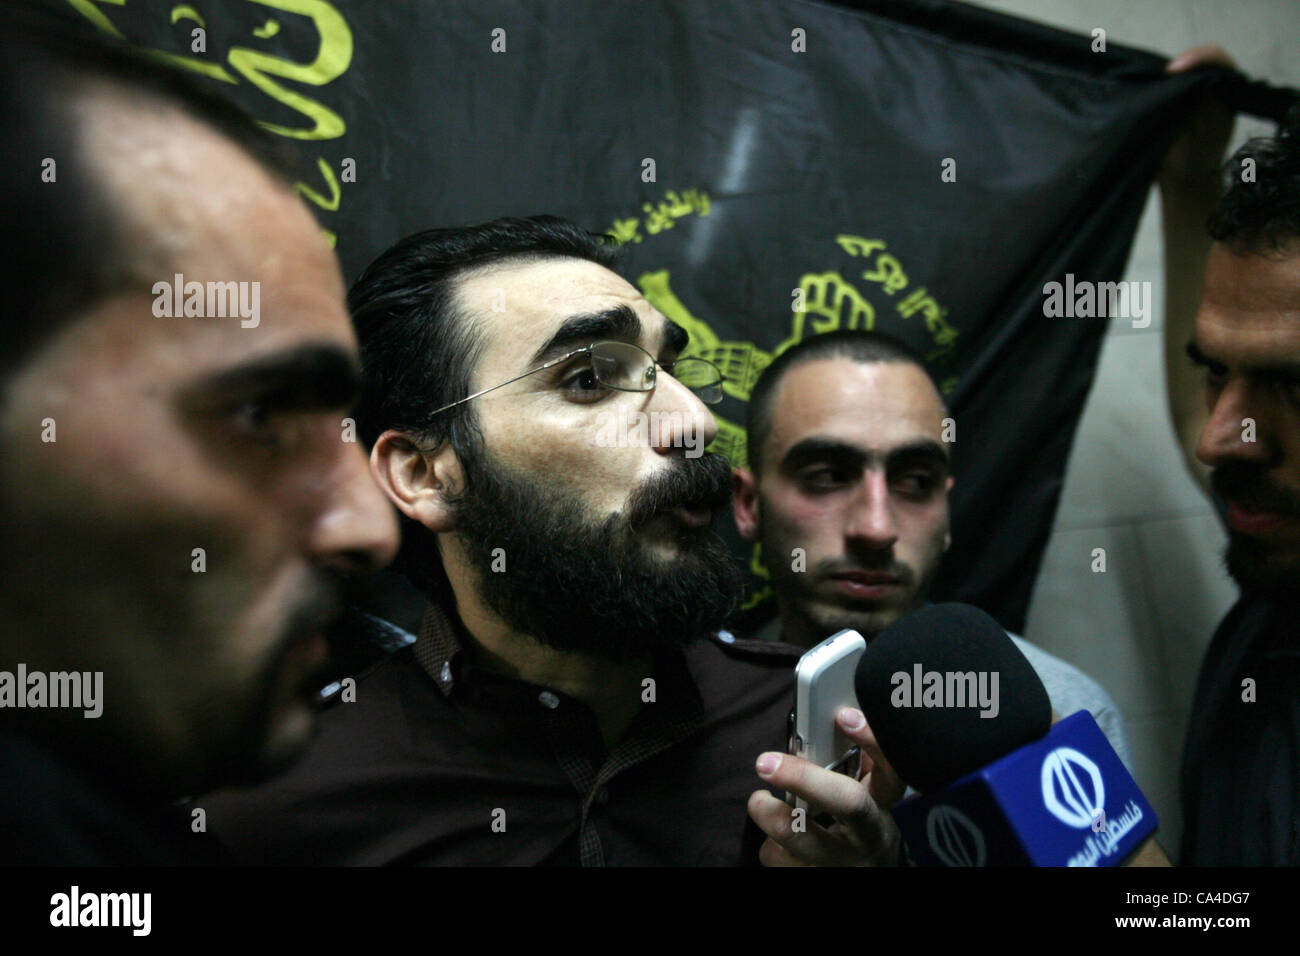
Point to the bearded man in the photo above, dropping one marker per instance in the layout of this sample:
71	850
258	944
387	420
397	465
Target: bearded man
569	698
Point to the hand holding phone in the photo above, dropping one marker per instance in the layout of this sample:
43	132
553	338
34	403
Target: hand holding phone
824	684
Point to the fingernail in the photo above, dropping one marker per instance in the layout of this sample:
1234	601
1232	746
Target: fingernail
852	719
768	763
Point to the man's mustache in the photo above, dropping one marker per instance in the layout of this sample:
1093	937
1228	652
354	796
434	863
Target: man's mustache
1247	485
703	482
322	604
833	568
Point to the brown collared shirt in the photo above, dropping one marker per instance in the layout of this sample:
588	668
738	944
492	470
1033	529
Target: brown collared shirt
441	762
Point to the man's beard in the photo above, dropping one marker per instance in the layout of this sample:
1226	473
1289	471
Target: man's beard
592	586
250	752
1255	563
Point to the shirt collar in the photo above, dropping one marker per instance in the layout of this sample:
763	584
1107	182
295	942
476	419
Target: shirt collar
438	645
438	649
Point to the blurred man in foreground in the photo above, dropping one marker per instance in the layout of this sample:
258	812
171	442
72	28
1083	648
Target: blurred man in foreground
179	509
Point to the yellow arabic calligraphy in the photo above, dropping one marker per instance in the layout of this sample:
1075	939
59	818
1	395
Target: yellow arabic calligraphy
332	59
662	215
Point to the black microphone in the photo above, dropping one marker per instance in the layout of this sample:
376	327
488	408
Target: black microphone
961	716
930	744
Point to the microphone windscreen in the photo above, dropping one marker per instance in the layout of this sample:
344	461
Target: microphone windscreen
947	692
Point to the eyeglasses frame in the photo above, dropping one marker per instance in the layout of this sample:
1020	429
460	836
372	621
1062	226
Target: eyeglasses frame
587	348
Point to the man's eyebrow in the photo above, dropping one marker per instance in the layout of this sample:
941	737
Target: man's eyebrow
821	448
1284	370
925	449
317	374
675	337
619	323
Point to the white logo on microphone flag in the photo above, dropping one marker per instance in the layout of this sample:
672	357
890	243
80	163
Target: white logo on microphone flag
955	840
1072	787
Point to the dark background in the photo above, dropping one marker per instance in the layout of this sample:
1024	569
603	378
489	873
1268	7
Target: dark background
1054	147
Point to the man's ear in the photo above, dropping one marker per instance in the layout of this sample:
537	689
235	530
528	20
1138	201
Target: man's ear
415	482
744	502
947	493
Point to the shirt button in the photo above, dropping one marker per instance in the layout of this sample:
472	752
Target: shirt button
446	671
548	700
602	796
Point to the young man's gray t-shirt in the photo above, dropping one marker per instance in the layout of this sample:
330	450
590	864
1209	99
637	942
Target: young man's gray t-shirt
1071	690
1068	688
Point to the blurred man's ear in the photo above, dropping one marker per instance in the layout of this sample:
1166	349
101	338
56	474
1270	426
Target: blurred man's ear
744	502
416	482
947	492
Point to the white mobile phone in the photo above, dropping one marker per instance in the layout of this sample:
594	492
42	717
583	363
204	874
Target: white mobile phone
823	684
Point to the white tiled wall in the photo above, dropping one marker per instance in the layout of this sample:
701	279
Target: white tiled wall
1142	627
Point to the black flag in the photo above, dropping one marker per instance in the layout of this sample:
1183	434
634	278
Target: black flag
775	169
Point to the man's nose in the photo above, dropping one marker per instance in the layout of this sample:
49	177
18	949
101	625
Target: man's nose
870	517
356	529
1237	427
683	420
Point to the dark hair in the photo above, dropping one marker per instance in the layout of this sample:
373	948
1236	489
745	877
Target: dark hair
419	346
856	344
1262	215
62	249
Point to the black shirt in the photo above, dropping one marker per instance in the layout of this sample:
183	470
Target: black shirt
54	812
441	762
1241	763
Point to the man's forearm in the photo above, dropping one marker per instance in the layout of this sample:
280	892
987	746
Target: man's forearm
1190	186
1185	207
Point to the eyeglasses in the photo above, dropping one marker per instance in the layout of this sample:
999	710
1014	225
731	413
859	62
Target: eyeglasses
630	368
